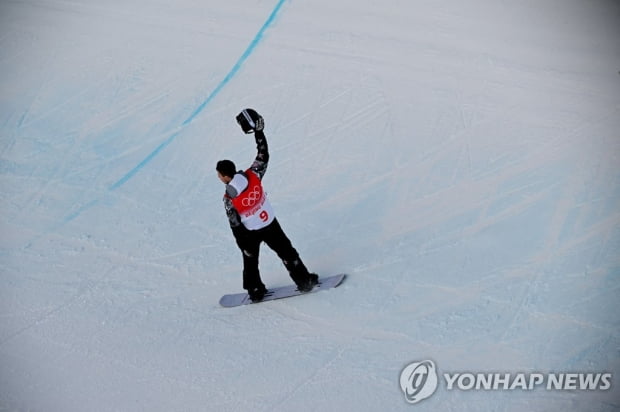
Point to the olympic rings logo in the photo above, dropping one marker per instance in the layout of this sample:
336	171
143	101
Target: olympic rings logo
252	197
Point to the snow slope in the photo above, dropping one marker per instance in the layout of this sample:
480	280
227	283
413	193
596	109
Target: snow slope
458	159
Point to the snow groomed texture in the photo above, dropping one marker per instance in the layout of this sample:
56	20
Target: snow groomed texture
459	160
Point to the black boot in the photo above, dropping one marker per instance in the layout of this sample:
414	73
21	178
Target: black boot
257	294
297	270
309	283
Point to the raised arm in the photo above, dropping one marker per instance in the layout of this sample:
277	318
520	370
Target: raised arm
262	154
252	122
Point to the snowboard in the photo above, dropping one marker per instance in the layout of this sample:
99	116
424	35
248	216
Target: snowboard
238	299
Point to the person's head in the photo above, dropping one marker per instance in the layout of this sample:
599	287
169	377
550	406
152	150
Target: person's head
225	170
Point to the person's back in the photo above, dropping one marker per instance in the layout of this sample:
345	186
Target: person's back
252	218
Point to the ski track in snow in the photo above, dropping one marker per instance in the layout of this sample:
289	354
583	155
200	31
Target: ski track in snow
459	162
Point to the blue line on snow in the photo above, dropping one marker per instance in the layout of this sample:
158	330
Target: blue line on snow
204	104
231	74
144	162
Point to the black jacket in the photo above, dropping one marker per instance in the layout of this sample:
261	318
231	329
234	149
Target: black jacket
259	166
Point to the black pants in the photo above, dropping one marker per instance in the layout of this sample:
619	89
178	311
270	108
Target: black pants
276	239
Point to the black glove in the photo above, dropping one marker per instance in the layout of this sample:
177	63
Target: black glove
250	121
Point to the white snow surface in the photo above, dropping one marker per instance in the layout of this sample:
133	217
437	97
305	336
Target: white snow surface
458	159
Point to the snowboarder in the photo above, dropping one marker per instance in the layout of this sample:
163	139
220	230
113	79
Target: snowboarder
251	216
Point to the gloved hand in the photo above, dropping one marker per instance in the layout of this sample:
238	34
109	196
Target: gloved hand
250	121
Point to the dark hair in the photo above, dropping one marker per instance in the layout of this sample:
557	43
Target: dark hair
226	168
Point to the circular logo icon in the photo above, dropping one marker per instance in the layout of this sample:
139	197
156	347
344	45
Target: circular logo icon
418	380
252	197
